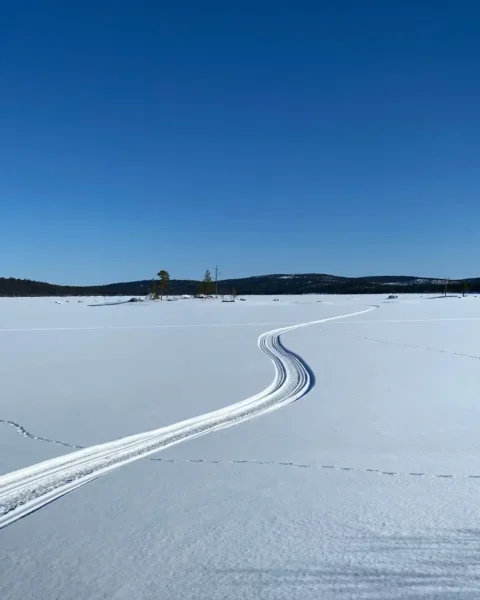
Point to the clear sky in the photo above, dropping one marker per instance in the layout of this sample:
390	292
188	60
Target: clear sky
338	137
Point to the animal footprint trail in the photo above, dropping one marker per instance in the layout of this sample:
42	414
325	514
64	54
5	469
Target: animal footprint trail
22	431
316	466
403	345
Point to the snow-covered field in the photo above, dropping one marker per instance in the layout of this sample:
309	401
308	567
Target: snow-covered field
341	461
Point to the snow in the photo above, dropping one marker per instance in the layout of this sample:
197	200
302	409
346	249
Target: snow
365	486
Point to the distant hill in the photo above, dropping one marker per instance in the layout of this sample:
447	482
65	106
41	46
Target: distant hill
275	284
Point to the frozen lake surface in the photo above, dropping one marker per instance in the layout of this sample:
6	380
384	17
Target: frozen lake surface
364	487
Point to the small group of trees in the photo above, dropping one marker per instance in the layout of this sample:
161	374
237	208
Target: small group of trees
207	286
160	286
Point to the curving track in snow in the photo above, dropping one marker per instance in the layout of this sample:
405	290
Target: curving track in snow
26	490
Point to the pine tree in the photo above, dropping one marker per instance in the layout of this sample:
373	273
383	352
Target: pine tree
207	284
153	290
164	282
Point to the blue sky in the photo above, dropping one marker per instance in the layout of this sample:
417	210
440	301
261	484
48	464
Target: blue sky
336	137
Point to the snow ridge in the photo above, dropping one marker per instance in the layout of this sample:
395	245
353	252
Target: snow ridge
26	490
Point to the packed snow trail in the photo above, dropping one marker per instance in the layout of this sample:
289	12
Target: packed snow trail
28	489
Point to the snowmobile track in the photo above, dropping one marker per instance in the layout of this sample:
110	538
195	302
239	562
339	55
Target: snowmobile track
26	490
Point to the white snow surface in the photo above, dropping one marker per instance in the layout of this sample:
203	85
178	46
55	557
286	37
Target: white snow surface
362	483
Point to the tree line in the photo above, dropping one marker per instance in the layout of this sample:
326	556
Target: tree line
264	284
